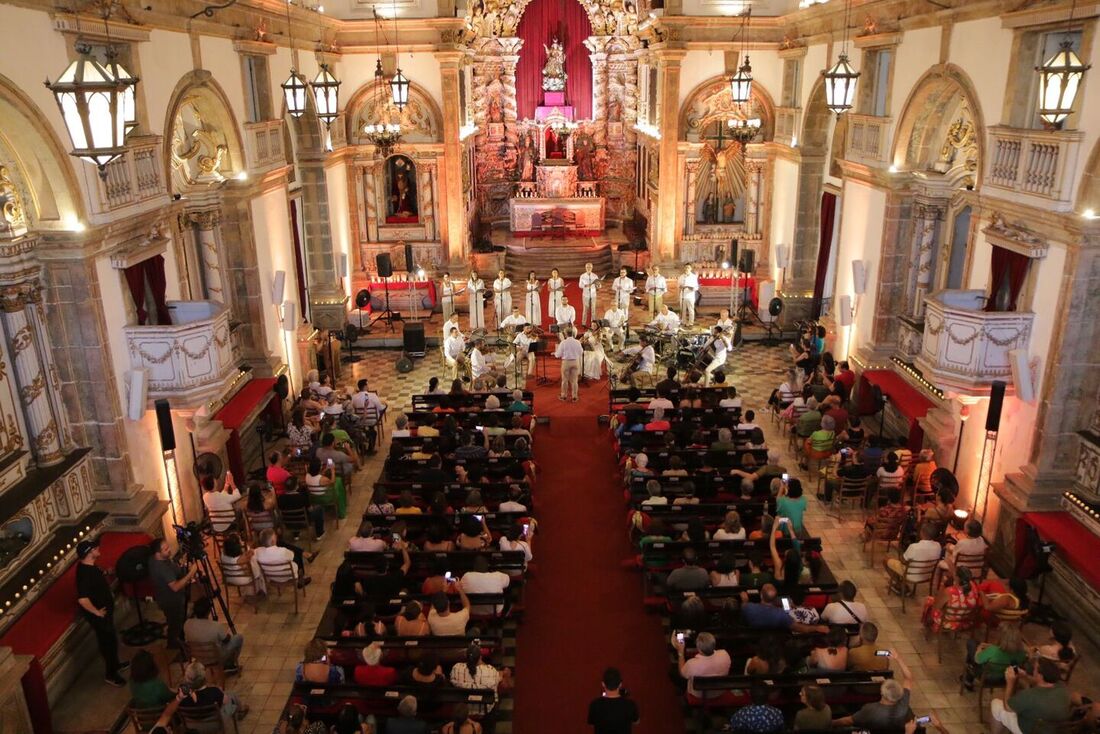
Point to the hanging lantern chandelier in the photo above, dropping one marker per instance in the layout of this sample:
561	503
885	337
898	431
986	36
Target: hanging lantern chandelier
384	132
399	85
744	129
841	79
1059	80
97	103
741	82
326	95
295	87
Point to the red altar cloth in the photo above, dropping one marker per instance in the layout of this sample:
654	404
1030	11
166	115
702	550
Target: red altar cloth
47	620
742	282
233	414
906	398
377	289
1073	542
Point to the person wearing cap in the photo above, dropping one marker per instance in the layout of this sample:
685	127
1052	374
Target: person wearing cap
97	606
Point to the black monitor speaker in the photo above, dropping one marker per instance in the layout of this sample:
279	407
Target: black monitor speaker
996	402
164	425
384	265
747	263
413	338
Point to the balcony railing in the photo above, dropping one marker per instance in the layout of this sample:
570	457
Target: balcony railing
1034	164
788	121
264	145
135	176
868	136
189	360
966	348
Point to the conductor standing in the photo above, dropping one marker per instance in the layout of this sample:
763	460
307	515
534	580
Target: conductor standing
97	606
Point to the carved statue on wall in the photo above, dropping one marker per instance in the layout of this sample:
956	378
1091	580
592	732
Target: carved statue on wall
553	73
11	204
710	209
729	209
527	157
401	188
198	148
960	142
494	102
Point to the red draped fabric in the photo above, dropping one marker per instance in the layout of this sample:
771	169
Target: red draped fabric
825	243
135	279
154	271
542	21
1014	266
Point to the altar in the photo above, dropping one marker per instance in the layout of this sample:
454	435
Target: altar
541	216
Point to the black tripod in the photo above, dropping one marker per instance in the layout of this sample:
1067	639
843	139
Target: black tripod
212	590
386	314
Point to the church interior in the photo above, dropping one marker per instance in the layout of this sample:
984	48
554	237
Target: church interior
549	366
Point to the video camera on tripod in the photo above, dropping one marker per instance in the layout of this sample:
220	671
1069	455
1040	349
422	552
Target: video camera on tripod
189	539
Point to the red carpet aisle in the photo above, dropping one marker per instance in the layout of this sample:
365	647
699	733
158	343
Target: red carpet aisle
584	611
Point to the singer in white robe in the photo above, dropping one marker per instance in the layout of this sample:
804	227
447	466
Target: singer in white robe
475	286
447	296
532	301
622	287
588	282
689	286
556	286
655	288
502	297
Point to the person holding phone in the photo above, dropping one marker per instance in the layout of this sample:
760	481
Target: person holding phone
791	504
442	621
613	712
325	487
892	710
708	661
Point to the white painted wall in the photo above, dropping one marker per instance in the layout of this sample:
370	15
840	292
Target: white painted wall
785	182
224	63
982	48
164	61
863	209
696	68
919	49
336	177
275	251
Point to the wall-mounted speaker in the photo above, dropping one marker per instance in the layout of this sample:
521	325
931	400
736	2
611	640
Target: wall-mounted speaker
138	381
859	277
844	310
343	265
783	256
767	293
996	402
384	264
1022	380
164	425
290	316
278	286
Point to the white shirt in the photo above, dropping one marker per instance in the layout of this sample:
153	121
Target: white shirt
511	506
588	283
520	545
275	555
515	319
730	402
689	281
835	613
221	502
447	328
363	400
648	356
522	342
656	284
666	322
453	346
660	403
489	582
623	284
615	317
474	285
478	365
569	348
501	285
726	324
565	315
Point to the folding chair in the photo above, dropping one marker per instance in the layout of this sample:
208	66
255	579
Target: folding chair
850	489
914	574
227	518
958	619
143	719
207	719
280	575
210	655
889	531
239	575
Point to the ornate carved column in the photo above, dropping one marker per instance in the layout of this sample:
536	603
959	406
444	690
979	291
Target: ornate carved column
597	46
426	194
33	380
753	198
692	181
668	180
451	213
926	225
206	238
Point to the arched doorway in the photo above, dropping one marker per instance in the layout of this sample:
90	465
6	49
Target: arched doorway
817	210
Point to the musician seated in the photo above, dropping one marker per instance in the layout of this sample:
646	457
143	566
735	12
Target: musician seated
479	366
666	322
514	319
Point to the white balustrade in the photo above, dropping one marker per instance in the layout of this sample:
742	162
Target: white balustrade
189	360
965	348
135	176
1034	164
264	145
788	121
867	138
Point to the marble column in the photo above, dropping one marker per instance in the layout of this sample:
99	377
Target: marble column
926	226
669	176
597	45
426	193
692	182
752	200
206	238
31	378
451	214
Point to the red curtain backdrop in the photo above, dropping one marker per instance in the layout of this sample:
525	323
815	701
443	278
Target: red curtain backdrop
154	271
825	243
1015	265
135	279
541	22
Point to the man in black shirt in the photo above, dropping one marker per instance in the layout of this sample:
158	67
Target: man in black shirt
97	605
171	585
612	712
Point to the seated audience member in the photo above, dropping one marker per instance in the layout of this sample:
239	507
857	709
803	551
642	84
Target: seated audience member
325	487
922	472
1060	649
411	622
757	575
891	475
347	585
926	549
961	593
519	537
427	672
800	611
659	422
372	672
815	714
271	553
748	421
731	528
300	432
887	516
767	658
675	468
787	566
220	500
406	721
147	690
942	510
406	504
612	712
473	533
769	614
992	659
864	656
277	472
845	610
196	692
462	722
690	576
345	463
436	539
891	711
366	540
725	571
518	405
758	717
973	544
824	438
830	652
297	497
724	442
401	427
235	554
470	450
315	667
442	621
687	496
809	421
480	580
201	629
791	504
708	661
1035	710
475	674
730	398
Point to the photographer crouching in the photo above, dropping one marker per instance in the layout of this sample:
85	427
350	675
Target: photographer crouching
170	588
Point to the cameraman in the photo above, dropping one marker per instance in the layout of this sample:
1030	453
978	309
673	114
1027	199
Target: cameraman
170	585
